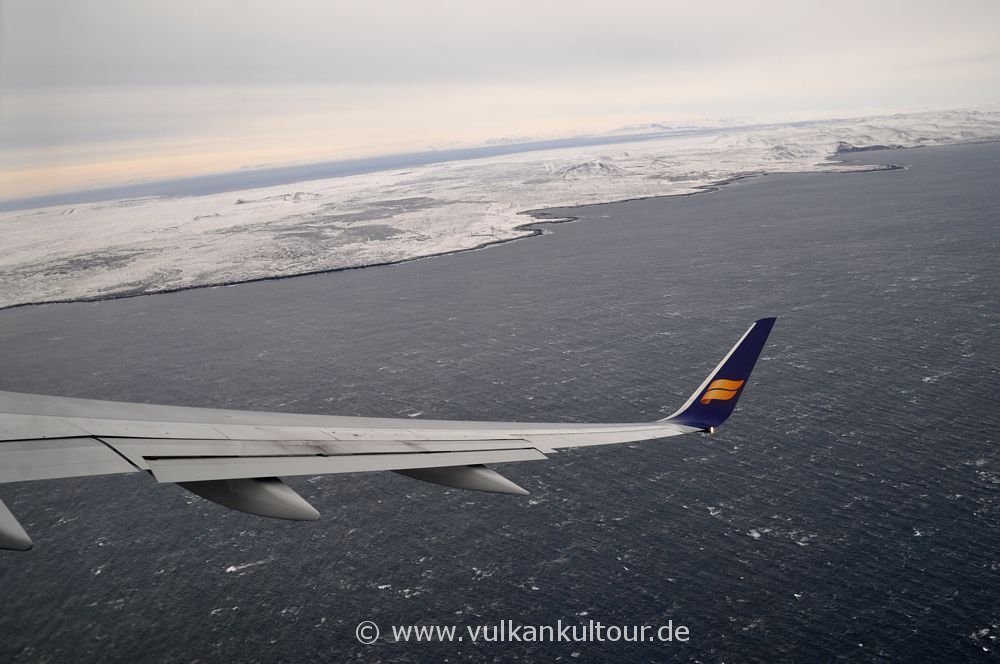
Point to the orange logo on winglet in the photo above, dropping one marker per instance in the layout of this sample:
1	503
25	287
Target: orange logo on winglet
721	390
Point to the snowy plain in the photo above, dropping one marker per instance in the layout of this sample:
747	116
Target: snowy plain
128	247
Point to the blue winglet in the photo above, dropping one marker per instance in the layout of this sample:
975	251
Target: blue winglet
713	402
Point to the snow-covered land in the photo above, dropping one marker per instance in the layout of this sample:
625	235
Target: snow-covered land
111	249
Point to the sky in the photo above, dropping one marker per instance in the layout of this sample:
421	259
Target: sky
97	93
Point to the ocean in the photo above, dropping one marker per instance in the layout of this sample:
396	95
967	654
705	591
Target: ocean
848	511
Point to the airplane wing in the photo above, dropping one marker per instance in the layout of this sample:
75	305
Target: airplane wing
235	457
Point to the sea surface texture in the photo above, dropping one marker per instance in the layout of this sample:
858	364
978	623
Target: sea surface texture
849	510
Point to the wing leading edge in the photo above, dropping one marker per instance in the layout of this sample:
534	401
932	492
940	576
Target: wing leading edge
234	457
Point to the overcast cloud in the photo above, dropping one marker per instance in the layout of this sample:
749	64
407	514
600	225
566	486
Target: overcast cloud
96	92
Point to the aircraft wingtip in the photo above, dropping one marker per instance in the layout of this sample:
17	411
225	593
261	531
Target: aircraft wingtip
714	401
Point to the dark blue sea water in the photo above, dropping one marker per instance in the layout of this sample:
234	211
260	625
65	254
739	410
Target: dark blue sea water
849	511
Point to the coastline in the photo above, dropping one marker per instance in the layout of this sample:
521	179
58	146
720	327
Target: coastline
130	247
540	217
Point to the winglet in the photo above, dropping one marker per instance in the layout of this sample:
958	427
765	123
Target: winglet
716	398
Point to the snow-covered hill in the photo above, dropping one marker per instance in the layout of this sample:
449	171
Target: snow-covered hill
595	168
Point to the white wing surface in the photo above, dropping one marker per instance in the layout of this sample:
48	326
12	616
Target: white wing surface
235	457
